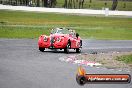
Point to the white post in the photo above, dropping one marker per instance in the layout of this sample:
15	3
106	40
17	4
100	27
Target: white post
106	11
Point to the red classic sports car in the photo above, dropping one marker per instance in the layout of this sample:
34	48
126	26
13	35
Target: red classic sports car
61	38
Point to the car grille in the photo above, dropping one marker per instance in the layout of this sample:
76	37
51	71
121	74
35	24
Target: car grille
52	40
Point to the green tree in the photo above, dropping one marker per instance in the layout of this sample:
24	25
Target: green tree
38	3
114	4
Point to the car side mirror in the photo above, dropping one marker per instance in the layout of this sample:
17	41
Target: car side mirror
77	35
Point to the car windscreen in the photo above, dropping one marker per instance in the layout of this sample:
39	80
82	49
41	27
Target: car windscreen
60	31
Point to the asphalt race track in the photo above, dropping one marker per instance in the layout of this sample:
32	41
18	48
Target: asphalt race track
22	65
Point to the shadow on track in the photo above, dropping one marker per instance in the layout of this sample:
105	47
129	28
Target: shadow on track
59	51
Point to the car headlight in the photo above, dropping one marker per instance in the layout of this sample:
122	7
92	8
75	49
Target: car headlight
45	38
58	39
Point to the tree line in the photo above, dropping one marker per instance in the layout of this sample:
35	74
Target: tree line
44	3
52	3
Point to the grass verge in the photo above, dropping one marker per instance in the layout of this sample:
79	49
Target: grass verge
17	24
110	60
125	58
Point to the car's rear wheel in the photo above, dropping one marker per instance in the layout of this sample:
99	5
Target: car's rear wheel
78	50
80	43
41	49
66	50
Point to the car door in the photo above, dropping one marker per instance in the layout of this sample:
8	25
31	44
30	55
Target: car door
73	41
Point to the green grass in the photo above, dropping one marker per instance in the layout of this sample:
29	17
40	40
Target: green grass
16	24
125	58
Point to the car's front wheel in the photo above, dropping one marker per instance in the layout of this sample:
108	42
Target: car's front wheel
66	50
78	50
41	49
